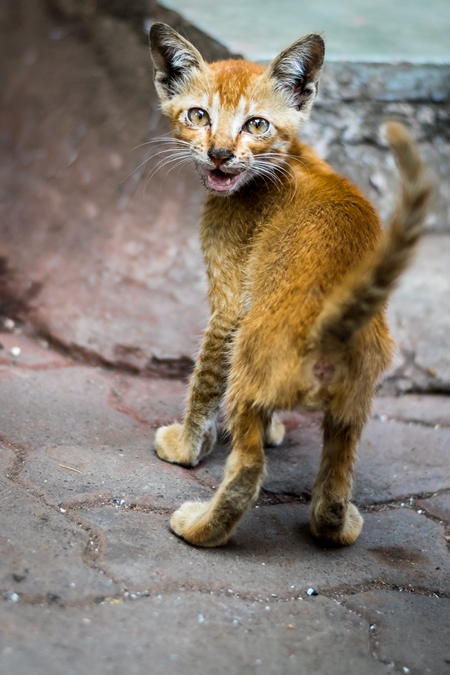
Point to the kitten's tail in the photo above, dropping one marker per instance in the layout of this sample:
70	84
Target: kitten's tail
365	291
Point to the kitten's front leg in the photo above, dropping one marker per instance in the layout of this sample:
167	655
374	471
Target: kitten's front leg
186	444
212	523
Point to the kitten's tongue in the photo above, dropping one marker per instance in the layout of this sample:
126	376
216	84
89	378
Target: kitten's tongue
219	180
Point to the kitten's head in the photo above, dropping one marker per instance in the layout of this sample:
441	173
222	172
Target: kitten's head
236	119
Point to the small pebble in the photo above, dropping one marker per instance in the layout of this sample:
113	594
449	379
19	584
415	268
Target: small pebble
201	618
15	351
311	591
9	324
118	502
12	596
372	626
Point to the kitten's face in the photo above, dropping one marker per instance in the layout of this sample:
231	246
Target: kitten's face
236	124
235	119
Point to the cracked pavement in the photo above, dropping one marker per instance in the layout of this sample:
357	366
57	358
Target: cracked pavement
90	571
102	303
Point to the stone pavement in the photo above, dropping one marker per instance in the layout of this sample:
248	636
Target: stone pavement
91	574
100	270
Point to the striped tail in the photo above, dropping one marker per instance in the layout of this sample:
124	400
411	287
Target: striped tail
364	292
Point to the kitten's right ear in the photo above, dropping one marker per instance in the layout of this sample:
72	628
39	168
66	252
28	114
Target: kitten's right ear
175	59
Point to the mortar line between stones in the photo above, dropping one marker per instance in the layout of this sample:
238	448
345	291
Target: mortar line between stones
86	556
338	594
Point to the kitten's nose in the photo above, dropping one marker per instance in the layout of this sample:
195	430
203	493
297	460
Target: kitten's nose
219	155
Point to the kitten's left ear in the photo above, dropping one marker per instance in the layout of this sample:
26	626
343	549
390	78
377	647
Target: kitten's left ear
175	60
297	69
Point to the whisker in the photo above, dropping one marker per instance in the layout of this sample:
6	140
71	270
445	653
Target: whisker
179	160
270	174
270	169
149	157
163	139
285	156
168	160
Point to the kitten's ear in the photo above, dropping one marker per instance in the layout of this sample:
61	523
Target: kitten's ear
297	69
175	59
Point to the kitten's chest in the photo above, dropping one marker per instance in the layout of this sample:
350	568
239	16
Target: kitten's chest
228	229
227	234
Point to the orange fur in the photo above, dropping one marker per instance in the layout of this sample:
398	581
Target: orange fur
299	273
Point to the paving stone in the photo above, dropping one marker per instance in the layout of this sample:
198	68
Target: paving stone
67	421
419	313
33	353
438	506
7	458
425	409
395	460
42	552
135	476
155	402
63	406
407	629
201	633
272	551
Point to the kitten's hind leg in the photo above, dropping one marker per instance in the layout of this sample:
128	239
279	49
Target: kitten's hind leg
212	523
333	517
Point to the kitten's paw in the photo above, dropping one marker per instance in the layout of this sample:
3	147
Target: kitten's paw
338	523
195	522
170	447
274	433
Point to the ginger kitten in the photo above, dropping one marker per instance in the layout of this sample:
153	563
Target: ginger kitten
299	273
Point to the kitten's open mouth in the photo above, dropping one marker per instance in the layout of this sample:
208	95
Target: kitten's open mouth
215	179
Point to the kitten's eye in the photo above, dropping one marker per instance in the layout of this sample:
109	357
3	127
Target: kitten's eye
257	126
198	116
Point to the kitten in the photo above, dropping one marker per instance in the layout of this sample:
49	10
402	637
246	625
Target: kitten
299	273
